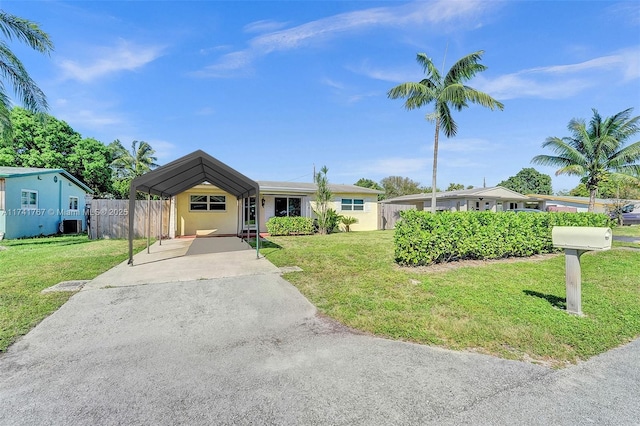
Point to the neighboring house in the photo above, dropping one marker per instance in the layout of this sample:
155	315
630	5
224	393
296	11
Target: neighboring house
495	198
36	201
208	210
579	204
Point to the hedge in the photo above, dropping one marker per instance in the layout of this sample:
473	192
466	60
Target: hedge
290	225
422	238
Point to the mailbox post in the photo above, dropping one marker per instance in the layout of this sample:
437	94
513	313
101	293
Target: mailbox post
576	240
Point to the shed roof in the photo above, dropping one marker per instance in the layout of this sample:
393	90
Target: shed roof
10	172
193	169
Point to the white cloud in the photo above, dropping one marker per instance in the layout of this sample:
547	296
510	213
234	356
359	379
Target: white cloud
563	81
434	12
264	26
165	151
91	119
125	56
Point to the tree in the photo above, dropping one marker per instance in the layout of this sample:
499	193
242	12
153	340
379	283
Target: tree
396	186
40	140
323	196
368	183
127	165
455	187
615	186
529	181
14	71
446	93
596	151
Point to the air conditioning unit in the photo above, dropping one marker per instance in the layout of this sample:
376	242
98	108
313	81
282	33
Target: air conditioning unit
71	226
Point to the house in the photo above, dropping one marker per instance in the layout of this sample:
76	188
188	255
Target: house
209	198
36	201
493	199
576	204
206	209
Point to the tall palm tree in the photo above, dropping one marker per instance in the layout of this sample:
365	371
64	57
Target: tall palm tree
446	93
12	69
595	151
134	163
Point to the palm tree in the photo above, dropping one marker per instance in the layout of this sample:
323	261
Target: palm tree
134	163
446	93
595	151
13	70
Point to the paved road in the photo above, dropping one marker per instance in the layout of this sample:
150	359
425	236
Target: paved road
251	350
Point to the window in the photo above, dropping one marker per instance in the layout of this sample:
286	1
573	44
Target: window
352	204
288	207
73	203
513	206
203	203
28	199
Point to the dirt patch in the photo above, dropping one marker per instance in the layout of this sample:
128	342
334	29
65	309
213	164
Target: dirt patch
444	267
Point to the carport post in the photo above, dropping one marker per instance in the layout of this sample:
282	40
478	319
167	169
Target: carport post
161	205
258	204
148	220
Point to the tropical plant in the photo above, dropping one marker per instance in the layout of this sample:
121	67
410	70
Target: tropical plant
595	151
134	163
323	196
14	71
347	221
446	93
455	187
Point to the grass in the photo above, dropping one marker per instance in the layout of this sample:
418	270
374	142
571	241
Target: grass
627	231
28	266
513	310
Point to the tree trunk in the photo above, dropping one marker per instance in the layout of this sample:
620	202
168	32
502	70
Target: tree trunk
435	166
592	200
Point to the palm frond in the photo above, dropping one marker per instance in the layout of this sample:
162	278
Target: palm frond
26	31
26	89
465	69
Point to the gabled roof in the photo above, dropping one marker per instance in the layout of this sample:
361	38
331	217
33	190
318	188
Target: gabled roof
494	193
310	188
191	170
9	172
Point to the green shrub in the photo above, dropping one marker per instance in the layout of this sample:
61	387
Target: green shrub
290	225
333	220
422	238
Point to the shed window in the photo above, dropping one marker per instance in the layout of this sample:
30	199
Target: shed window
73	203
207	203
352	204
29	199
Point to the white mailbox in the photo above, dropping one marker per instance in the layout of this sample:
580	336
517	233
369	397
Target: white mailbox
575	240
581	237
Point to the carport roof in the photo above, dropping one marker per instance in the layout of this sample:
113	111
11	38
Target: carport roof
193	169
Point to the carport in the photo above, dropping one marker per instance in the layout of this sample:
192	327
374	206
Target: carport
185	173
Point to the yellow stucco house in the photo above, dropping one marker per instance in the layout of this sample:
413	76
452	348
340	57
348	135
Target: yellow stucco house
208	210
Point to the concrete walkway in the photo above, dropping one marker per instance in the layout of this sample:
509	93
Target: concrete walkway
166	343
187	259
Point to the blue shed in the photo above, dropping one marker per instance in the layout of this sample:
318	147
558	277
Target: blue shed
36	201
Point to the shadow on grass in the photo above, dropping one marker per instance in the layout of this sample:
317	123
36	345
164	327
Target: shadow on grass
264	244
555	301
47	241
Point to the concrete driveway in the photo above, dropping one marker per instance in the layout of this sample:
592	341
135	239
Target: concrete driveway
245	347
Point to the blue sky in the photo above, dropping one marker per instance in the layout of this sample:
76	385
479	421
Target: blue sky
272	88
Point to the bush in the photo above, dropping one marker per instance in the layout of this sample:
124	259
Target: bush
422	238
290	225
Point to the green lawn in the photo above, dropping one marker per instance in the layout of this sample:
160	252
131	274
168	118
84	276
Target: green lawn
513	310
30	265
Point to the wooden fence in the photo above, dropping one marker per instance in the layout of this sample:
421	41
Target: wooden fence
389	214
110	218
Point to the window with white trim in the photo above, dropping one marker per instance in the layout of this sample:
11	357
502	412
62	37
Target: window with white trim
352	204
73	203
204	203
28	199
